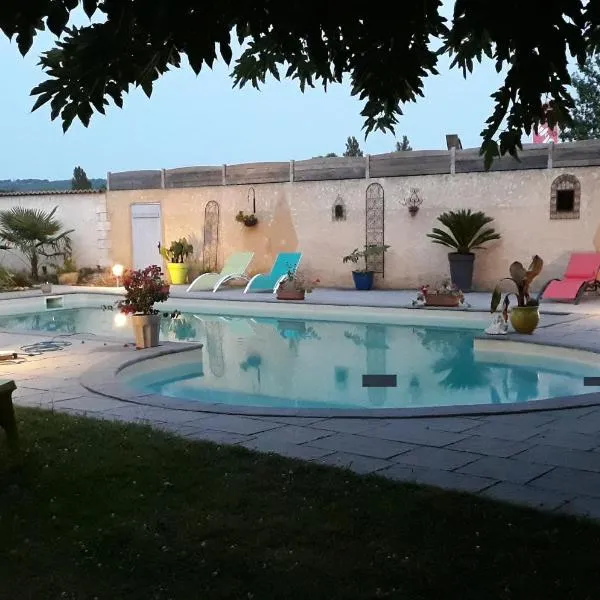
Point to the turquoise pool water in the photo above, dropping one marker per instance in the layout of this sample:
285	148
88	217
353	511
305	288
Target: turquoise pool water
320	364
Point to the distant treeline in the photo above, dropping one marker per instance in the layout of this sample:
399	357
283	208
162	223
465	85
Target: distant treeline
40	185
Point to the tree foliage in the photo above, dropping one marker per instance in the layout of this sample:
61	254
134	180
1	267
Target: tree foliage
403	145
352	147
35	233
386	54
586	112
80	180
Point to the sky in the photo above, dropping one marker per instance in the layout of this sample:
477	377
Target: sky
202	120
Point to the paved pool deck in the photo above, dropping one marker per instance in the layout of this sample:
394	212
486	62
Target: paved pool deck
549	460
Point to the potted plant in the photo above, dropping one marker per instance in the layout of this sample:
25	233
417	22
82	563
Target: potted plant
467	231
68	273
175	256
525	316
294	287
363	278
247	220
143	288
446	294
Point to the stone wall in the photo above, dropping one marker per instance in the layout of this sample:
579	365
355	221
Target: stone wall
84	212
298	215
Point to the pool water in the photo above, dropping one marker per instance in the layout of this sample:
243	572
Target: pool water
271	362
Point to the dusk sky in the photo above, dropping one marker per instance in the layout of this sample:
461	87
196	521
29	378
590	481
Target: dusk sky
203	121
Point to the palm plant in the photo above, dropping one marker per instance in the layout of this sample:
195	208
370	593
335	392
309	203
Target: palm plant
35	233
467	231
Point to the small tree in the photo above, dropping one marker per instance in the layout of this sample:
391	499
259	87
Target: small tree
586	111
80	180
35	233
352	147
404	145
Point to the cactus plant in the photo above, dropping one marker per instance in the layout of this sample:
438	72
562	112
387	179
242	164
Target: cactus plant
178	251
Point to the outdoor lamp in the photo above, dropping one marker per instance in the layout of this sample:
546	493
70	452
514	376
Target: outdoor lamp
117	271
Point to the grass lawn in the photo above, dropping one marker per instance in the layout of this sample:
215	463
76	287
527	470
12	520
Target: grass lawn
111	511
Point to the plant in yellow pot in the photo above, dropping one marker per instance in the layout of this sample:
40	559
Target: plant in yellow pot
175	256
525	316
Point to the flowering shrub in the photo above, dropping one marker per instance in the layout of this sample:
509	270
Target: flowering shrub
444	289
298	283
142	289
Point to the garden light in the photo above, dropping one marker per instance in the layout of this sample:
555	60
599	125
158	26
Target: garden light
117	271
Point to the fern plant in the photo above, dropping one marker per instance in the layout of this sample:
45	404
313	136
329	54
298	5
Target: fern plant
466	231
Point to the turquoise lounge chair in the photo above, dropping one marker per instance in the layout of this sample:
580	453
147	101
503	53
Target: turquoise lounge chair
285	261
234	268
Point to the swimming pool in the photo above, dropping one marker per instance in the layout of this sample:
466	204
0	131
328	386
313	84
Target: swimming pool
312	364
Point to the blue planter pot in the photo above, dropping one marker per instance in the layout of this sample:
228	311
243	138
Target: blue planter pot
363	281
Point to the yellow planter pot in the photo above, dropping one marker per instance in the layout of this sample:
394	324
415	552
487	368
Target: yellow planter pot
525	319
177	273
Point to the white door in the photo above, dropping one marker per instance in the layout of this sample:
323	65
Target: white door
146	234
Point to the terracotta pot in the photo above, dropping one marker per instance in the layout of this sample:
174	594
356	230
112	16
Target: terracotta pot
525	319
146	329
441	300
290	294
68	278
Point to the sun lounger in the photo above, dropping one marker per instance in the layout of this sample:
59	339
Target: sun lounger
285	261
581	276
235	267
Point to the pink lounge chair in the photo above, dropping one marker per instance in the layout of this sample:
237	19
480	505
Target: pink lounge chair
581	276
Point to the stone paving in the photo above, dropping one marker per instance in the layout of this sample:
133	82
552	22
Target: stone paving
548	459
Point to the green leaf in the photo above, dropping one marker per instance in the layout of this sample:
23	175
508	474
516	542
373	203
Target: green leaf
43	99
57	18
225	50
89	7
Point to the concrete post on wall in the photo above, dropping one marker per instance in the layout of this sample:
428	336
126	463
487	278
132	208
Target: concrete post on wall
162	178
108	182
368	166
224	175
292	163
453	160
550	154
103	242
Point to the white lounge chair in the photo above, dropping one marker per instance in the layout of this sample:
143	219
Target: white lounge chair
235	267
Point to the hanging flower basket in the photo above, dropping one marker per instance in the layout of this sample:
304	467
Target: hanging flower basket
247	220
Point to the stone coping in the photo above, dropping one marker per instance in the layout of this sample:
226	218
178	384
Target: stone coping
476	302
95	379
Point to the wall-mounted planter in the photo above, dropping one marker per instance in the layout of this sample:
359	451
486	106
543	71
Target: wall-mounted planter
247	220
